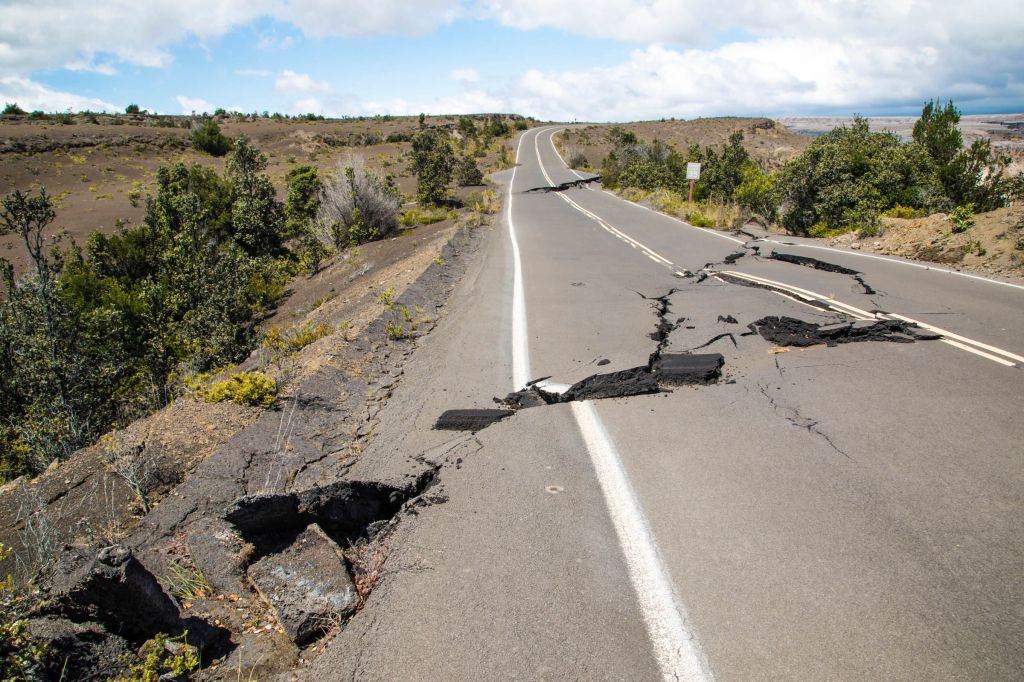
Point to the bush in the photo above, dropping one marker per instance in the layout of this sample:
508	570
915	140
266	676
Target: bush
257	216
295	337
21	657
467	174
433	161
206	137
758	192
254	389
12	109
962	218
848	177
576	158
357	206
132	109
904	212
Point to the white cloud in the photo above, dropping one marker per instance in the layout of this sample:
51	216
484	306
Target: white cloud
307	105
196	104
92	67
291	83
31	96
322	18
466	76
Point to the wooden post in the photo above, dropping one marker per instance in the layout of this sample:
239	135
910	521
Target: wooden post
691	193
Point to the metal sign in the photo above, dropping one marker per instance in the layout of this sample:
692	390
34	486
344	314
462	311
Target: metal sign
693	171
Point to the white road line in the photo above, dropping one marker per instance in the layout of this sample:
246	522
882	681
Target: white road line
520	340
957	337
920	266
674	645
561	158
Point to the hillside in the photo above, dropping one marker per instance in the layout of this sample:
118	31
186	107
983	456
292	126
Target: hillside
100	173
766	140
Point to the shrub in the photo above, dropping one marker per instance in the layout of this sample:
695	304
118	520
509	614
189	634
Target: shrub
206	137
759	192
254	389
12	109
962	218
132	109
257	216
295	337
357	206
904	212
847	177
521	124
157	662
21	657
467	173
576	158
424	216
432	162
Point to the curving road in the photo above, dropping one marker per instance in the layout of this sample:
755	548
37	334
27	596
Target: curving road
844	513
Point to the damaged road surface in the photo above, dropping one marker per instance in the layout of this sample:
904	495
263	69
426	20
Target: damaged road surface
862	498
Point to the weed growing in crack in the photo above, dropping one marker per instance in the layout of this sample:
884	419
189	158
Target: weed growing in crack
395	330
387	297
187	582
366	560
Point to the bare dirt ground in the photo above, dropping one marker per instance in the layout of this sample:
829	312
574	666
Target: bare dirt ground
994	245
764	139
100	174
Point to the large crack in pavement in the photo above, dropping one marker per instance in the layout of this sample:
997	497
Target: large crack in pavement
662	368
824	266
545	189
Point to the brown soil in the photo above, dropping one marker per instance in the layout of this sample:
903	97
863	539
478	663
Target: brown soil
767	141
994	245
97	171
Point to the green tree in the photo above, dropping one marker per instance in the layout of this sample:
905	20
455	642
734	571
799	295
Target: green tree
847	177
12	109
433	161
467	173
303	197
257	217
974	175
132	109
207	137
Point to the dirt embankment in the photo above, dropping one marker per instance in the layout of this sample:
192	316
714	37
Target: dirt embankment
993	245
767	141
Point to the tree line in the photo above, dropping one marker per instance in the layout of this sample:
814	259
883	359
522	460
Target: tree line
846	179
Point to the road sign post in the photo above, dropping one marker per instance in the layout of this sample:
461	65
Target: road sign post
692	174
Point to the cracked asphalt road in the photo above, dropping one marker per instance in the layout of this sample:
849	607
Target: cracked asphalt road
845	513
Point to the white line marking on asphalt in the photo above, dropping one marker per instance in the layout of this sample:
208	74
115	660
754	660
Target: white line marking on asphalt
674	645
920	266
964	339
520	340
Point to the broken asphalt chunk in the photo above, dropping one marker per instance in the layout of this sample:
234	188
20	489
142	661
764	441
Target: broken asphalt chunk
307	585
789	331
473	419
686	368
344	507
627	382
115	589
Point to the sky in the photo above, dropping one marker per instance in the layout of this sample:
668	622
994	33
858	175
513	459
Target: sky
598	60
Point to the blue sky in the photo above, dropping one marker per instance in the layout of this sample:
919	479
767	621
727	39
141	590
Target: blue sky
601	60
